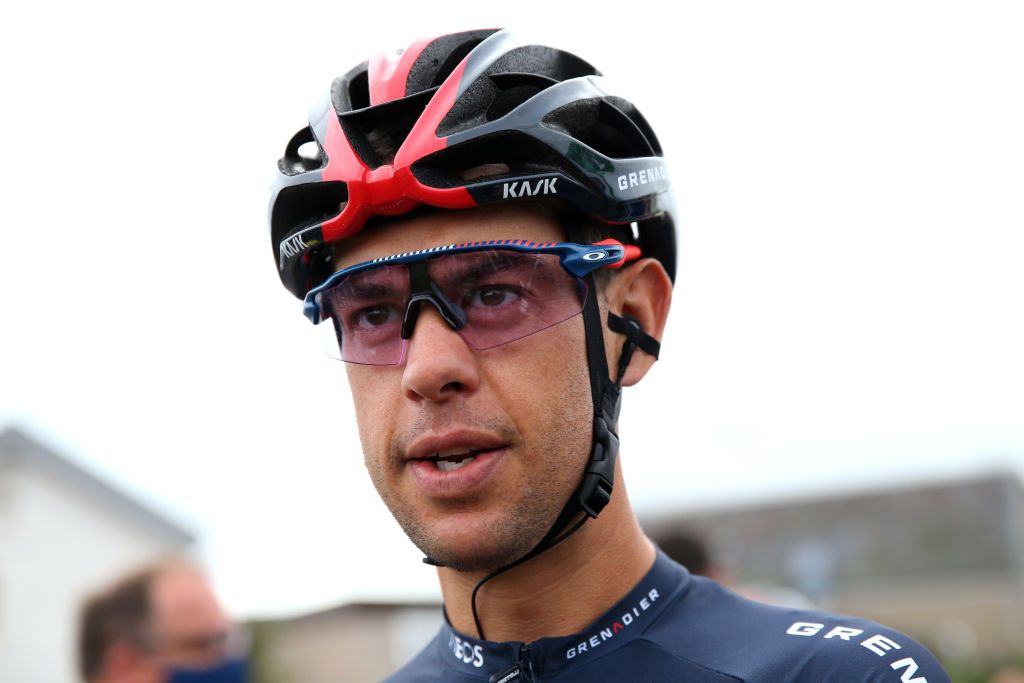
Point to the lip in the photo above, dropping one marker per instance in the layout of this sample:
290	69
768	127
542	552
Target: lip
426	446
466	481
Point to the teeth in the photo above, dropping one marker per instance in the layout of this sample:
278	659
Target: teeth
453	451
448	466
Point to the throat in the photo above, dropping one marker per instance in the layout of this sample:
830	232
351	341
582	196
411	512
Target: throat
560	592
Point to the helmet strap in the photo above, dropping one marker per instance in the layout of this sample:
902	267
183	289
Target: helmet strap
595	489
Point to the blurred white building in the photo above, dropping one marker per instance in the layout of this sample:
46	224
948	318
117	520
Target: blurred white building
63	534
942	561
356	643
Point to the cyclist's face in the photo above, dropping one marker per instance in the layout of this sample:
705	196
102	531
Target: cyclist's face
521	410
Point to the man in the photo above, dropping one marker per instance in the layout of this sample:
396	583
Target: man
486	234
160	625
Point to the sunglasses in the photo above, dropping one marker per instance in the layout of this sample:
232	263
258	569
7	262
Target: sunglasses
491	293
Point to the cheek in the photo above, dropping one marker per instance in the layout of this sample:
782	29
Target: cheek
371	387
546	386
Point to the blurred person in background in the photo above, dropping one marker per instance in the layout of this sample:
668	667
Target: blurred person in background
162	624
1008	674
692	550
486	234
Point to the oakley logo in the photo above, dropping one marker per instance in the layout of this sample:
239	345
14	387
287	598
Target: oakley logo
595	256
525	189
644	177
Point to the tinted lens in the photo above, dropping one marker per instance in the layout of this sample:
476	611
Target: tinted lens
505	296
366	311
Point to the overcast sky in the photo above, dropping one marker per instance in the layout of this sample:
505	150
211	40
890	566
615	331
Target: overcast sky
848	308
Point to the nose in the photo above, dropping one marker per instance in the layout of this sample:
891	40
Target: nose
439	364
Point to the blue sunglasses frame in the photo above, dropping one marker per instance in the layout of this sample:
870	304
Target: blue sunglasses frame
579	260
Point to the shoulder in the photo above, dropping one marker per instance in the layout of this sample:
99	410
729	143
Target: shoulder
751	641
425	666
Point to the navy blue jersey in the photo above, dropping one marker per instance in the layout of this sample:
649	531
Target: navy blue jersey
681	628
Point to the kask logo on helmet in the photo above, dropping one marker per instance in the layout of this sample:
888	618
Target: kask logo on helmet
295	245
523	188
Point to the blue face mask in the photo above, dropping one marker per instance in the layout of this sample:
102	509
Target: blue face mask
229	671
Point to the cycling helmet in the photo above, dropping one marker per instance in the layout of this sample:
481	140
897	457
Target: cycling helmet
459	121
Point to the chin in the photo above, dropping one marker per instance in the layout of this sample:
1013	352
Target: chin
473	559
476	544
481	535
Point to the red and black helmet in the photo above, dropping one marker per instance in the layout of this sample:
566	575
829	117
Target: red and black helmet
458	121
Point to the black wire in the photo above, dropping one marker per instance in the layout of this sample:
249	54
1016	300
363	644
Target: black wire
524	558
601	388
628	348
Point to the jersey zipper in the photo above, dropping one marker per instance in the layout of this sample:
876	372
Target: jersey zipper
526	665
520	672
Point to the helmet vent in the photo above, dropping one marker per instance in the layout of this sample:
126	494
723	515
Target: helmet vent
539	64
438	60
351	91
513	90
376	133
310	151
302	154
625	107
359	90
601	126
542	61
505	154
300	206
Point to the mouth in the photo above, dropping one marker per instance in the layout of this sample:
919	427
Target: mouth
457	464
452	459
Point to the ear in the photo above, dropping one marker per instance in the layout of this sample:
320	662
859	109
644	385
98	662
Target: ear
643	291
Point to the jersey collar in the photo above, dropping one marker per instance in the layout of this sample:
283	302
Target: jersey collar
626	621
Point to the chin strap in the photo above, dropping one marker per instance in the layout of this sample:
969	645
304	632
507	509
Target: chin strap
595	489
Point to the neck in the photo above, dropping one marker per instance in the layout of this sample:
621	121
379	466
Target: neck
561	590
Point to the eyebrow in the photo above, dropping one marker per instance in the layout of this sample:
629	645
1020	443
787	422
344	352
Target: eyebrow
365	289
481	268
